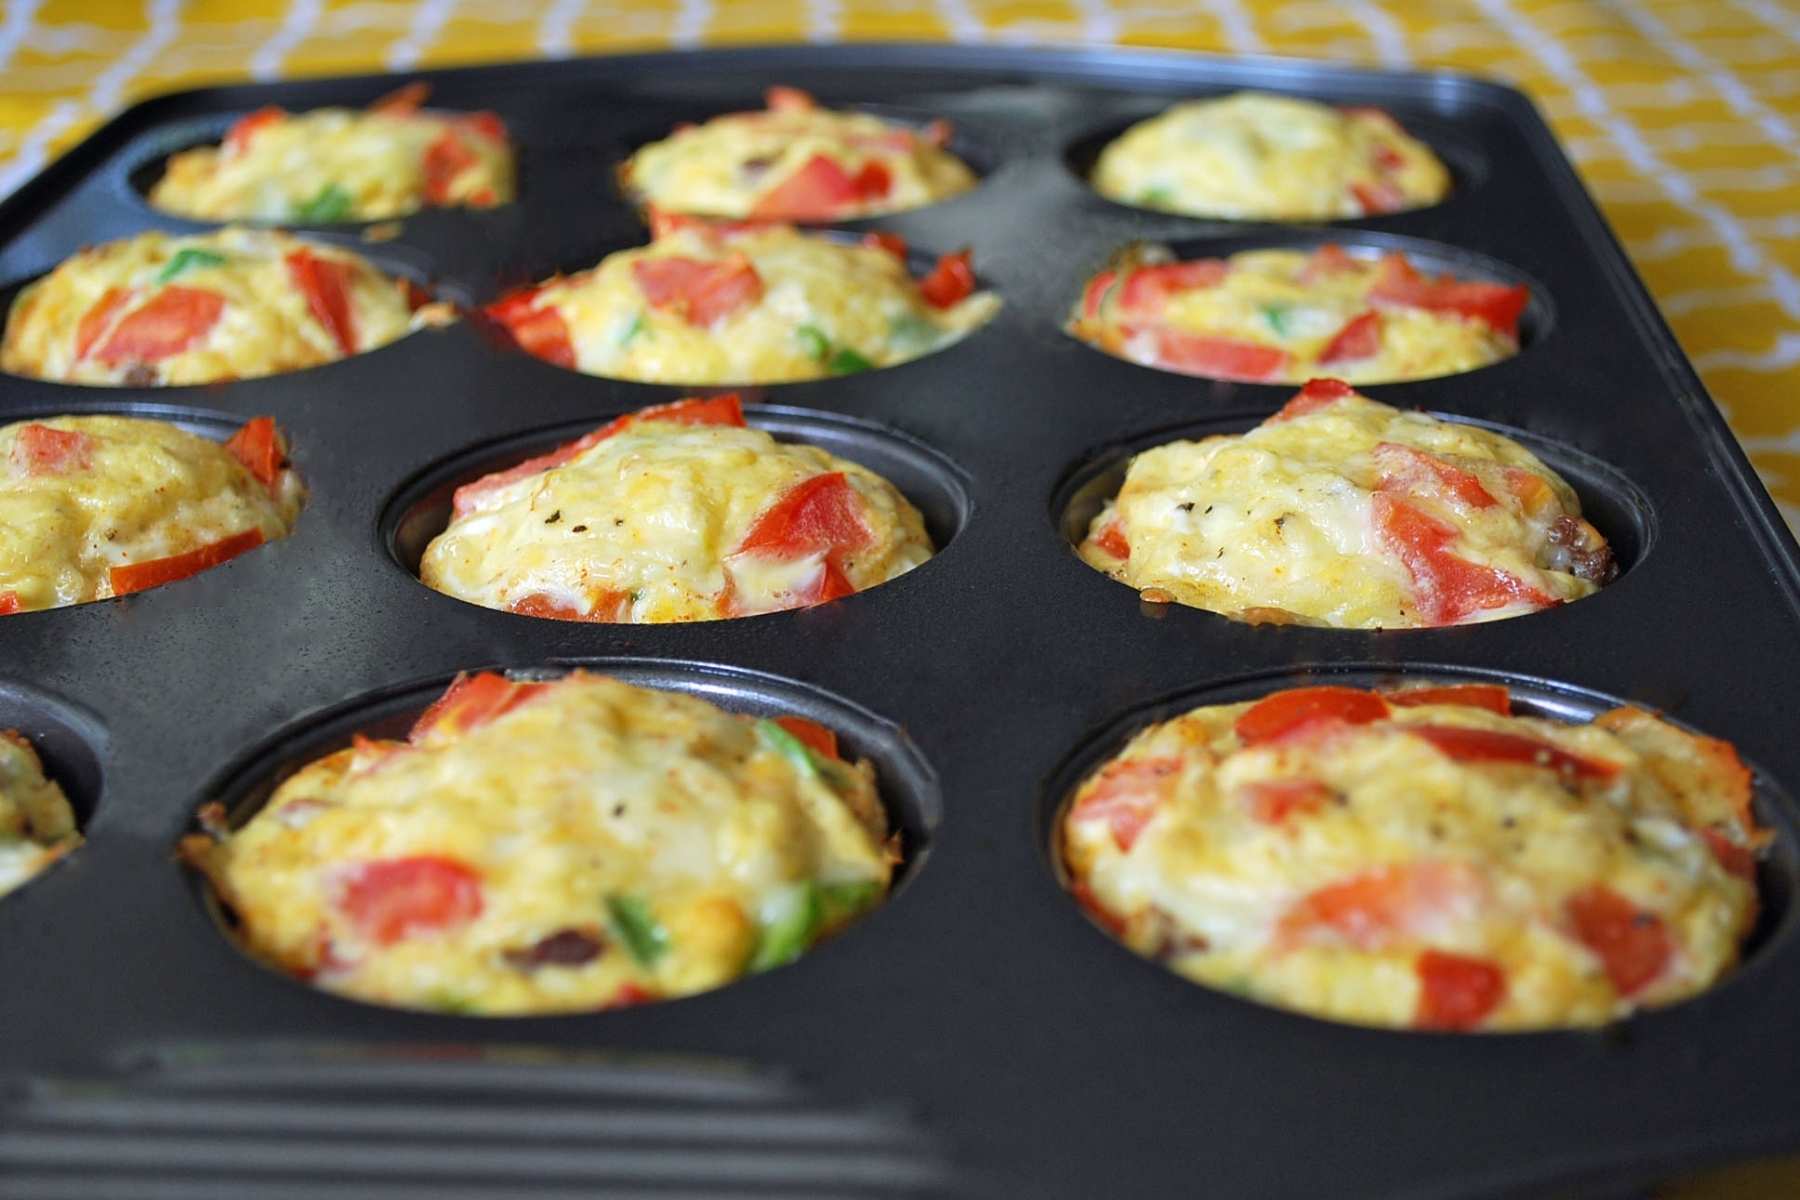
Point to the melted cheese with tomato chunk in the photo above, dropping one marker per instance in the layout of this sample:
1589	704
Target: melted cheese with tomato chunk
235	304
92	507
665	522
1262	157
1343	512
1423	860
1284	316
702	306
796	162
559	847
340	164
37	825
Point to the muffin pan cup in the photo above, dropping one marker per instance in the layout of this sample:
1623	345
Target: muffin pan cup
1048	1058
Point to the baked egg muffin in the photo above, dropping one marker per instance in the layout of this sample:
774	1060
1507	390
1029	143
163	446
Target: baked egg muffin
540	847
745	304
234	304
674	513
1255	156
342	164
1340	511
1284	316
96	507
37	825
1424	857
795	161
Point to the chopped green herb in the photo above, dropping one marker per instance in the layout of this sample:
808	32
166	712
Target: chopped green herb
450	1002
788	746
848	362
1157	197
187	258
910	332
331	204
638	927
813	338
838	902
1276	315
791	921
632	330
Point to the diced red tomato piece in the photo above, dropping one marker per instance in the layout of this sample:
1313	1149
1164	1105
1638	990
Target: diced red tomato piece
42	450
702	292
1329	259
1090	904
1126	795
1285	714
542	333
135	577
1396	282
1213	357
244	129
325	282
938	132
486	124
1273	801
9	603
1371	910
392	899
1446	588
1148	290
820	514
818	191
1632	943
174	319
1490	745
1378	197
406	99
951	281
1404	469
873	181
893	243
1492	696
1095	294
1736	859
445	159
631	995
257	444
1456	991
611	607
1317	394
782	98
471	701
816	736
1360	338
1112	540
96	319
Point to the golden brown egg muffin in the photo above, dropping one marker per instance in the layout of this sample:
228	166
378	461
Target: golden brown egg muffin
37	825
235	304
674	513
1344	512
1285	316
1256	156
95	507
1423	857
341	164
705	303
553	847
796	161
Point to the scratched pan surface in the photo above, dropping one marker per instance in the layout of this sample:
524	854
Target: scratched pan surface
992	1040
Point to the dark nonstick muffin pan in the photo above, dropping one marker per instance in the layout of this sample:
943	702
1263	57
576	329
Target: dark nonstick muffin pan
977	1035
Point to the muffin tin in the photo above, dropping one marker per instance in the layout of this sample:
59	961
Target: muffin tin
977	1034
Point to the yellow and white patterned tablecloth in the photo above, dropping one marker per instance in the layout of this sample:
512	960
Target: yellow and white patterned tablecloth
1683	116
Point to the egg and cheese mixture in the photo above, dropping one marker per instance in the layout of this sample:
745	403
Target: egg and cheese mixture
554	847
162	309
1423	858
796	161
341	164
1341	511
95	507
1255	156
745	304
1284	316
674	513
37	826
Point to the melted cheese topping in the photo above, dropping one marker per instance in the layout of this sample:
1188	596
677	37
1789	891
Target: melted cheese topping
1331	869
339	164
137	491
594	844
730	165
37	826
824	308
1283	300
1257	156
159	309
1354	515
657	513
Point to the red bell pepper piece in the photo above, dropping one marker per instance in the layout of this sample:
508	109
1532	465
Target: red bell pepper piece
820	514
1489	745
43	450
1633	944
1148	290
1381	196
1213	357
135	577
392	899
257	444
1456	991
540	332
445	159
893	243
1317	394
815	736
9	604
1284	714
1360	338
782	98
325	282
95	321
404	100
1095	293
1126	795
1446	588
486	124
874	180
951	281
1396	282
174	319
471	701
1491	696
1112	540
818	191
611	607
244	129
1329	259
1372	909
